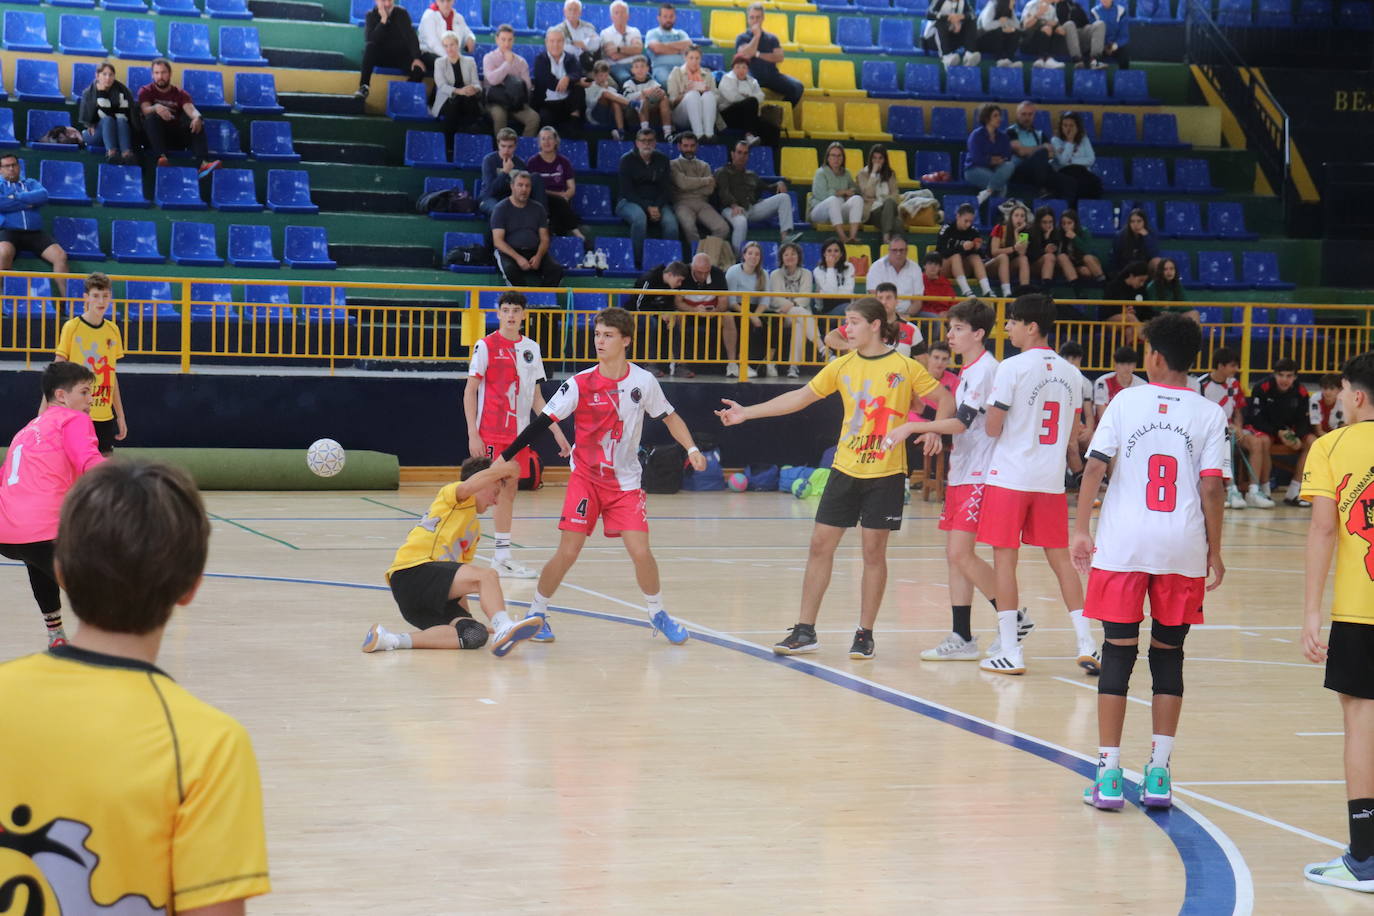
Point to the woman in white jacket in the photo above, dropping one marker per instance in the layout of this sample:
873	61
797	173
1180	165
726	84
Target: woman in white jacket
457	93
741	104
692	93
789	285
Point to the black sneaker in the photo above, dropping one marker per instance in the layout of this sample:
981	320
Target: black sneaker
362	92
862	646
802	639
1298	503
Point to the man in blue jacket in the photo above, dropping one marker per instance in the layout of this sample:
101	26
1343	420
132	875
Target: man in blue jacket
497	168
1118	34
21	225
646	193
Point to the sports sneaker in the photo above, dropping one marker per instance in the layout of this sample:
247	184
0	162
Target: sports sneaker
513	633
545	633
1157	791
1234	500
674	631
751	139
1297	502
1105	792
983	195
1257	500
1006	62
793	372
800	640
1099	65
1090	658
602	260
1343	871
972	58
509	569
207	167
378	639
56	641
862	646
732	370
362	92
950	60
954	648
771	370
1051	64
588	260
1005	663
1024	625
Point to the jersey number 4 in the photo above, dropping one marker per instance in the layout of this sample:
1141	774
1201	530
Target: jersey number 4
1161	493
1049	424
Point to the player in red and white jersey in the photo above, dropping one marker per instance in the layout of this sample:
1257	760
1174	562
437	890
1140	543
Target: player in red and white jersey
1107	387
1159	535
1035	396
503	388
608	403
1221	386
908	335
1325	406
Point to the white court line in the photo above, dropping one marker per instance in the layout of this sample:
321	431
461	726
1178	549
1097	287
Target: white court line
1316	734
1093	687
1263	782
1245	812
1256	661
488	700
1280	639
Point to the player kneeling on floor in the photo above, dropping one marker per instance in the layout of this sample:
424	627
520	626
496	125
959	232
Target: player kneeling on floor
433	572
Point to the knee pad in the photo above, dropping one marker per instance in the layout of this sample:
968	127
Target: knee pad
1170	636
1117	664
1114	630
1166	667
471	634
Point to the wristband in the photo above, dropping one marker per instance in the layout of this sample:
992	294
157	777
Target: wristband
693	451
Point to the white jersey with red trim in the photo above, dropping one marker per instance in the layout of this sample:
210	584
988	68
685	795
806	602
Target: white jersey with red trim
1040	391
968	461
1227	395
1164	440
510	371
1325	417
609	419
1106	387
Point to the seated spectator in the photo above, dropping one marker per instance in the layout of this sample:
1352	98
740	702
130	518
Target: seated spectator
497	169
703	292
938	366
648	97
908	335
1129	286
1326	412
877	185
960	245
579	36
1032	153
749	276
1078	265
742	202
560	92
389	40
506	76
999	32
1042	35
950	27
693	185
520	237
21	225
1045	249
1108	385
764	53
645	180
441	19
988	159
692	94
1165	286
1136	242
1280	411
106	114
667	44
935	285
835	197
1117	34
171	121
620	42
559	180
605	106
741	98
789	286
1223	388
899	270
672	275
1074	158
457	92
1007	249
1081	35
834	276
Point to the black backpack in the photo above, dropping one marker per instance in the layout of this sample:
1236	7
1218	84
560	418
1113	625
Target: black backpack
449	200
469	256
663	468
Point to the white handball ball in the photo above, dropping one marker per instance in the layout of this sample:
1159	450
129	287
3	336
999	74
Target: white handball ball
325	458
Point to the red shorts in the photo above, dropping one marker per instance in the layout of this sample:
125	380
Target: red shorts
1120	597
619	510
495	447
1010	518
963	505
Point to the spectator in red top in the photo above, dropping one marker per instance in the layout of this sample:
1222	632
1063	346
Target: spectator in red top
1279	409
171	121
935	285
560	186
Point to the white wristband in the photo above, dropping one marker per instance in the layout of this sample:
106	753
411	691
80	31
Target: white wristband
694	451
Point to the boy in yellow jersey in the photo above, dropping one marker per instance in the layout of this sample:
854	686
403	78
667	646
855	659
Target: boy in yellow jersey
1338	479
119	790
878	386
433	571
89	338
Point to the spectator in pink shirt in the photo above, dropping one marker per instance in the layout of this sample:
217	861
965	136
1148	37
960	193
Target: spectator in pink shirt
506	76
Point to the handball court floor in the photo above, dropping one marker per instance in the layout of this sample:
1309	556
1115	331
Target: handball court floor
610	772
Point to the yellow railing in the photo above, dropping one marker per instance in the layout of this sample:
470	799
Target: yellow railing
431	322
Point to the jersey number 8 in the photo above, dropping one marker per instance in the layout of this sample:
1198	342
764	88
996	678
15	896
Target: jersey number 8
1161	493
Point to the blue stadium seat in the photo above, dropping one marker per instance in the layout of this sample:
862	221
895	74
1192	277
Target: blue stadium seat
1260	269
233	191
1090	85
79	237
1097	217
1118	129
124	6
211	301
1160	130
193	245
149	300
189	42
135	39
660	251
1315	14
1089	124
525	147
1007	83
895	37
228	9
470	149
74	4
1234	13
134	241
28	297
80	35
547	14
424	149
513	13
4	95
271	140
1183	220
407	102
138	76
643	17
964	82
8	138
608	155
1193	176
713	154
120	186
1149	174
288	191
454	240
257	93
922	81
1294	317
770	256
949	124
1057	206
620	256
177	188
40	122
175	7
358	10
1157	10
239	46
223	139
578	153
1217	270
36	81
593	203
307	246
906	122
1130	86
326	303
1112	171
266	302
689	20
26	31
763	162
435	183
1047	85
567	250
929	161
1227	221
529	53
206	89
879	79
65	182
1274	14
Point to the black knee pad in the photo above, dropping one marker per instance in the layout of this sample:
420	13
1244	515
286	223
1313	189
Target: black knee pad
1117	664
1166	667
1170	636
471	634
1113	630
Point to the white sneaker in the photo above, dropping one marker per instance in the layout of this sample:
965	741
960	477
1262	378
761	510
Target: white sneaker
732	370
954	648
1052	64
512	634
602	262
1006	663
793	372
509	569
1039	63
972	58
378	639
588	261
1090	658
1099	65
1024	625
1257	500
983	195
1007	62
1234	500
771	371
950	60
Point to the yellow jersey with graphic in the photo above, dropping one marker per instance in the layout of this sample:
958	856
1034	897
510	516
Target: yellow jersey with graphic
122	792
877	392
99	347
448	531
1340	466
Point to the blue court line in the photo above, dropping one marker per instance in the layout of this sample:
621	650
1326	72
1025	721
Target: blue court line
1211	882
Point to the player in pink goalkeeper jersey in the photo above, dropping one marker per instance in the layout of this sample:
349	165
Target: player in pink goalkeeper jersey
43	461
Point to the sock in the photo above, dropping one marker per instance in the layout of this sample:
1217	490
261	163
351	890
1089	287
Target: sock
53	622
502	545
1082	626
1361	828
1108	758
1006	631
985	287
1254	488
540	604
962	623
1294	488
500	620
1006	289
402	641
1264	488
962	283
654	603
643	125
1161	746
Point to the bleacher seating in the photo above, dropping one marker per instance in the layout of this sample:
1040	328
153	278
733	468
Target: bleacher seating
189	43
177	188
206	89
65	182
288	191
80	35
8	138
40	122
211	301
135	242
175	7
271	140
239	46
233	191
306	246
1217	270
150	300
424	149
407	102
228	9
194	245
120	186
79	237
256	93
222	138
26	31
36	81
135	39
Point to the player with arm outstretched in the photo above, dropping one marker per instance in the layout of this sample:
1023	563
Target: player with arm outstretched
1159	535
878	386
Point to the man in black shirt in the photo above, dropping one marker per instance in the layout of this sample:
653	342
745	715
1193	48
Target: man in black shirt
960	245
520	235
660	347
1279	409
646	192
389	40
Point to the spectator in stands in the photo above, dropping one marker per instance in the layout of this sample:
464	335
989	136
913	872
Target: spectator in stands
692	93
899	270
1008	245
1165	286
834	275
1280	410
106	113
648	97
171	120
1327	413
961	246
560	92
1042	35
1117	34
704	292
951	25
1128	286
389	40
438	20
742	202
559	180
935	285
498	168
741	100
835	197
1081	35
878	187
457	92
1032	153
1078	265
21	225
508	84
1136	242
667	44
789	286
1223	388
1045	248
908	335
988	160
605	106
693	185
672	275
620	42
645	198
749	276
999	32
579	36
520	236
764	53
1074	158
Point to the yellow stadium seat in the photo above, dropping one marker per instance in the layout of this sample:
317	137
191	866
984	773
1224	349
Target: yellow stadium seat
778	24
862	121
854	159
799	68
799	164
725	26
789	115
821	121
812	35
898	160
860	256
837	78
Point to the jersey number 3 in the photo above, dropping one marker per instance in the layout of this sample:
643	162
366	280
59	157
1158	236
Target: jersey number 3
1050	423
1161	493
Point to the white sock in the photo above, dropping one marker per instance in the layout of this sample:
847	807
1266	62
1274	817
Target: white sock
963	285
402	640
654	603
500	620
1006	289
540	604
1264	488
1108	758
643	125
502	545
1255	488
1006	631
985	287
1294	488
1161	746
1082	626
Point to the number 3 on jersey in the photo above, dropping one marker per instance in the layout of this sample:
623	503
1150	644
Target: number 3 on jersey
1049	423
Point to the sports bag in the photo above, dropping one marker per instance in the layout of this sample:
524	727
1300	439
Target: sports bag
662	468
713	478
790	474
762	476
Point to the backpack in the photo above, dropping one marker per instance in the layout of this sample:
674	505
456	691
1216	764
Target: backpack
449	200
531	470
762	476
65	135
713	478
662	468
790	474
469	256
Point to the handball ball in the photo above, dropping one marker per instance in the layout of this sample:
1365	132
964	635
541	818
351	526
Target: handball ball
325	458
799	488
737	482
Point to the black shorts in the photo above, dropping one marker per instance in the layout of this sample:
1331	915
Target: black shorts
105	431
870	502
32	240
1350	659
421	593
